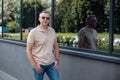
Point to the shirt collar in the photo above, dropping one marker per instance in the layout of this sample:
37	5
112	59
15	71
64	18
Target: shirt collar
89	29
42	30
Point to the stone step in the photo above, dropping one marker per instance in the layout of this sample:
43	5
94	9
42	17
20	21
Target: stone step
5	76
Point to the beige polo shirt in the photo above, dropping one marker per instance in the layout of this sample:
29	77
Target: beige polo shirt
89	36
43	45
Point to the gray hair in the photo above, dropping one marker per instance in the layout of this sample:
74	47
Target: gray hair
43	12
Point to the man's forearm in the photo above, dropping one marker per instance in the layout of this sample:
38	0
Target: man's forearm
30	56
56	49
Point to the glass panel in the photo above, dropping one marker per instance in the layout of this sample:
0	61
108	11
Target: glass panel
70	17
11	29
0	18
116	43
31	10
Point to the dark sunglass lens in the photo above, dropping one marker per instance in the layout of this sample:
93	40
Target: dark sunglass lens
43	17
46	18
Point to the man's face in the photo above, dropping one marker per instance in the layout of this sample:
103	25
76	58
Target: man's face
93	22
44	19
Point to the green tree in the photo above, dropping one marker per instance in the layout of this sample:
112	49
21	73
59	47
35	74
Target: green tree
117	17
8	10
97	8
62	13
29	12
12	25
72	13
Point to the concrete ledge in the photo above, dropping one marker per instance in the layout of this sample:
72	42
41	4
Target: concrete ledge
99	55
108	58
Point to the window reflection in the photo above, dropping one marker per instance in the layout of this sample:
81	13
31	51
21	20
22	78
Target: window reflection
11	17
0	18
70	18
116	42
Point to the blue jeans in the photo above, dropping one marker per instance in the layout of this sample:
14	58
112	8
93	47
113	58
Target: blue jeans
49	70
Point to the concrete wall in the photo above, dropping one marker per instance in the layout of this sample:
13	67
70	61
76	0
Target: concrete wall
13	60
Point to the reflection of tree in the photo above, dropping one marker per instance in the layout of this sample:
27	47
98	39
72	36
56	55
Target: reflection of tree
29	13
12	11
12	25
117	16
72	13
46	3
9	10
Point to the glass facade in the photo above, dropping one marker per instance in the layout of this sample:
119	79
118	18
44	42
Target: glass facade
67	18
0	18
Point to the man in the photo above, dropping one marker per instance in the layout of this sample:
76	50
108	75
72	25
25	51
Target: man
87	36
41	43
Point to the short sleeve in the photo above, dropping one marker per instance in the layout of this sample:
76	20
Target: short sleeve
31	37
81	35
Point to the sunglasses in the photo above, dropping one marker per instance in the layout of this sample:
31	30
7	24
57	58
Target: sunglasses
46	18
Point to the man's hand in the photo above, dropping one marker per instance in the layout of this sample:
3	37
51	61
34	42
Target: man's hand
56	66
38	68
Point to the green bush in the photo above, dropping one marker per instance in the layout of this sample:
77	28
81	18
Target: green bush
12	25
68	39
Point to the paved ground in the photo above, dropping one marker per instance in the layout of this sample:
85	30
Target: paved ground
5	76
